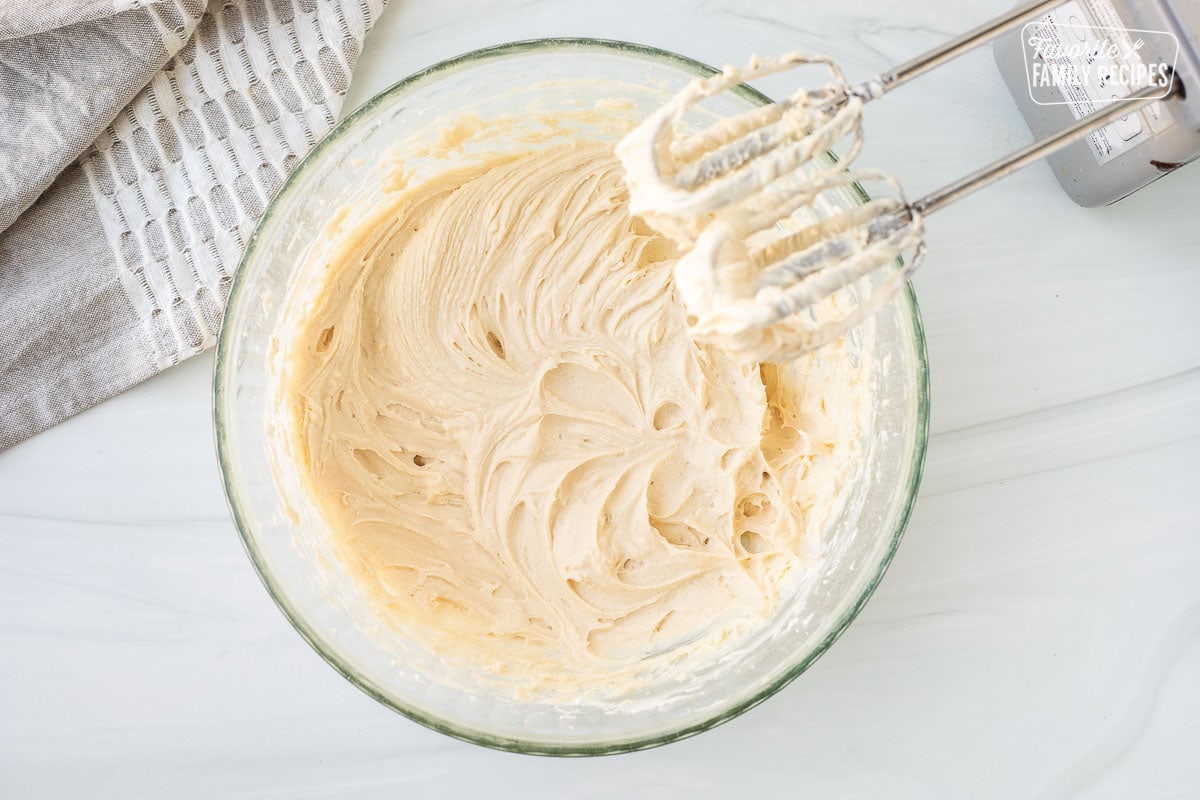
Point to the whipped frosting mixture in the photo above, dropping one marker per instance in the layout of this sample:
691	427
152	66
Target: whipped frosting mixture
520	453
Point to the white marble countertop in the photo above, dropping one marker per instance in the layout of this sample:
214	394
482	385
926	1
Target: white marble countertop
1037	635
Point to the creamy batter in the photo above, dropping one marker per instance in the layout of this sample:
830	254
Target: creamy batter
520	453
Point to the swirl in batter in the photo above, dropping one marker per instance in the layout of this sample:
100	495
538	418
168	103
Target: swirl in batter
520	453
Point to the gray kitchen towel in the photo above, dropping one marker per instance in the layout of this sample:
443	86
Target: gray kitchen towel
140	142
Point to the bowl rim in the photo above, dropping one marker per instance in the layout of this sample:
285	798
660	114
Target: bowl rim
222	364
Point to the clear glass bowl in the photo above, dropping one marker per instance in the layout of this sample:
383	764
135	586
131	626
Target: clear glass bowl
289	551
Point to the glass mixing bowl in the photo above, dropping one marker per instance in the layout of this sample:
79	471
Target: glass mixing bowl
289	550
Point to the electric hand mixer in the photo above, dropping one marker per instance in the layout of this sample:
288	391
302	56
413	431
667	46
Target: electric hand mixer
742	195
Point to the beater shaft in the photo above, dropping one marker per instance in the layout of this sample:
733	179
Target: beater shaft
1014	161
961	44
1044	147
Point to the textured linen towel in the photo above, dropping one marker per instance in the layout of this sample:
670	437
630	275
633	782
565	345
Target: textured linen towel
140	142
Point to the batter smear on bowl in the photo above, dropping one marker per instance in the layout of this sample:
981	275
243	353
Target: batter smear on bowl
527	463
